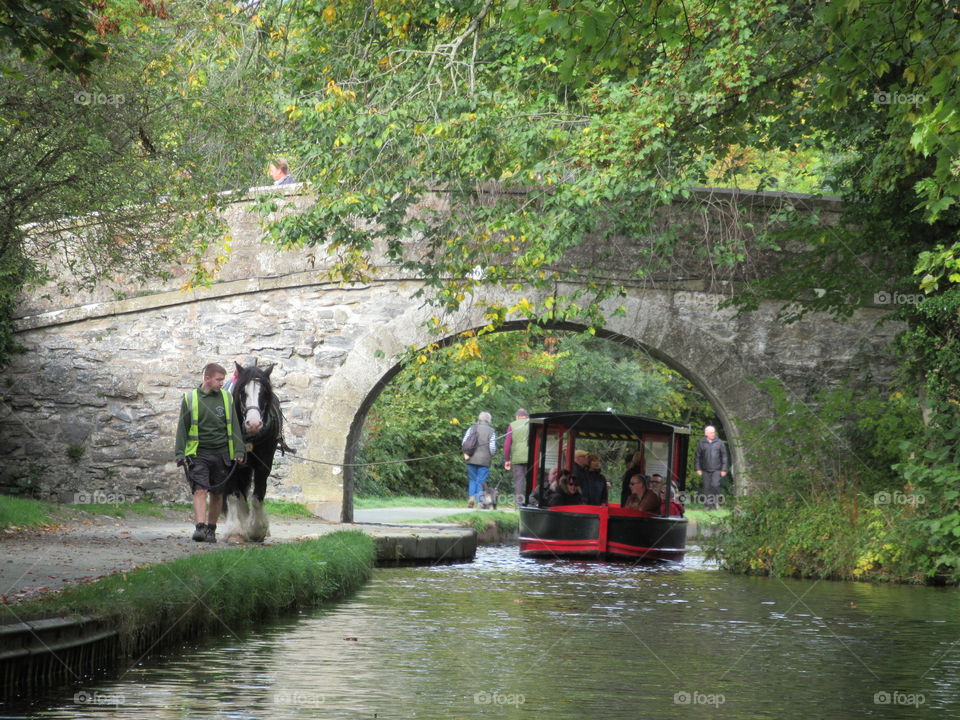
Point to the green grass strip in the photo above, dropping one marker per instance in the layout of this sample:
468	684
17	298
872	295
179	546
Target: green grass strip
378	502
506	521
180	600
706	517
286	508
24	512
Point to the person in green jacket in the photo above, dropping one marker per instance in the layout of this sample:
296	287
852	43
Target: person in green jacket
209	441
515	453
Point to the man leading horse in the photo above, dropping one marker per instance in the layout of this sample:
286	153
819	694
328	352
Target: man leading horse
209	442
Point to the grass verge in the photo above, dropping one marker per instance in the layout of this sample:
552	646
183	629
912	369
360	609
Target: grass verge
506	521
286	508
376	502
706	517
121	510
181	600
25	513
28	513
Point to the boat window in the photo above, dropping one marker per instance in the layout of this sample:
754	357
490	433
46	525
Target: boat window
656	451
552	456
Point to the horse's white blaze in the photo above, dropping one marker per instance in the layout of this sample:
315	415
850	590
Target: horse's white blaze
252	416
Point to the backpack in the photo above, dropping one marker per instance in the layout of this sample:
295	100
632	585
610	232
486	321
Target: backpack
469	444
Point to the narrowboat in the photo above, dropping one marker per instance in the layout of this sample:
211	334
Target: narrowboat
605	531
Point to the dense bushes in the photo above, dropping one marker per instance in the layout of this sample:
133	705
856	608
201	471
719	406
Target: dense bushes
841	489
845	536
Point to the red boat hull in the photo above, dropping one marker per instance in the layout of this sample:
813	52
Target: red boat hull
601	532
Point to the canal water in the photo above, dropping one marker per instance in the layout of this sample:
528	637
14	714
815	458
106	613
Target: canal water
506	637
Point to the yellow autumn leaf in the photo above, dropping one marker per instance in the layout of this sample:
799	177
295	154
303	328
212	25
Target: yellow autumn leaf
329	13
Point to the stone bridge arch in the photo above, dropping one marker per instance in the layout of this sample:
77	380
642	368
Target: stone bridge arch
716	351
91	406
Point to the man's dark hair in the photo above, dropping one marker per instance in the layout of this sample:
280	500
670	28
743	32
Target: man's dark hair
212	369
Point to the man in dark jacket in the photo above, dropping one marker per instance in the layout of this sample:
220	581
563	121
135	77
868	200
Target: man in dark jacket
581	469
712	463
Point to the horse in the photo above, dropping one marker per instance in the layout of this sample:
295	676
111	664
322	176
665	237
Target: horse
258	409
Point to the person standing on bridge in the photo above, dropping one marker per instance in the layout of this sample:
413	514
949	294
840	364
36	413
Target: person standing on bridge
209	439
515	453
478	446
712	463
280	172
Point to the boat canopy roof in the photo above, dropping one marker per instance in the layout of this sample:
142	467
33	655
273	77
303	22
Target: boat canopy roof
608	425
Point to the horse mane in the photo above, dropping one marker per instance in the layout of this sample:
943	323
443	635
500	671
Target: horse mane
252	372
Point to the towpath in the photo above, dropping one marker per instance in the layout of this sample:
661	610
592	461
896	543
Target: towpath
35	562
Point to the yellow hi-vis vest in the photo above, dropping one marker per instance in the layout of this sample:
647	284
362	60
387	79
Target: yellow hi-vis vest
193	436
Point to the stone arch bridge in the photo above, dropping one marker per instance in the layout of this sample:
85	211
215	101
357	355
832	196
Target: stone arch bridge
89	411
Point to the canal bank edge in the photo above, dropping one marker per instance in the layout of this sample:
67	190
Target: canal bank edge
89	628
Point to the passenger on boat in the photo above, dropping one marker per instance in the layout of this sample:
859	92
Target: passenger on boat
568	493
643	496
541	493
594	487
634	467
676	507
581	466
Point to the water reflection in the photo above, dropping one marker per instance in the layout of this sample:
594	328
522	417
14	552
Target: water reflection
521	638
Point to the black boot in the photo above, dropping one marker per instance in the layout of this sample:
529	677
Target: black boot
210	535
200	534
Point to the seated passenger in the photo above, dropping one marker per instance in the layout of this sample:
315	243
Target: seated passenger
643	497
541	494
634	467
658	484
568	493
